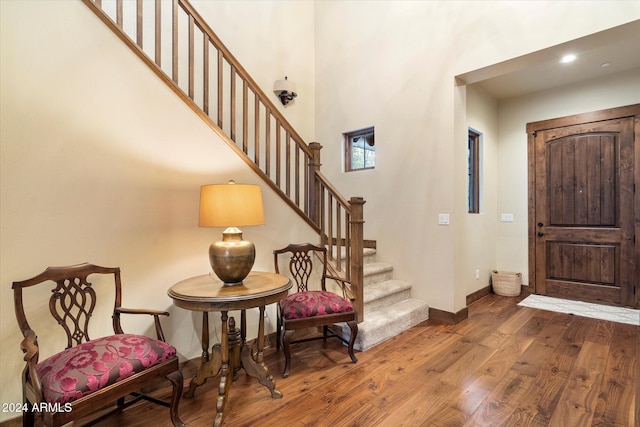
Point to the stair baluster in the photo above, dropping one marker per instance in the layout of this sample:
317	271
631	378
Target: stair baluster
208	78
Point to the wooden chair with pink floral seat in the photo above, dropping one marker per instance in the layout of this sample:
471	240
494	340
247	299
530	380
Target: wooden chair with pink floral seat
90	375
312	305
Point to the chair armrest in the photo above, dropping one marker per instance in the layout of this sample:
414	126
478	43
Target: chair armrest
29	347
345	285
155	313
142	311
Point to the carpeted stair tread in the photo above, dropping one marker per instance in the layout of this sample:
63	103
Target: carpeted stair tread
380	325
372	268
375	272
383	289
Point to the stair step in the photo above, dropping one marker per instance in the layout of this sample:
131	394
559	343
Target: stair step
376	272
380	325
384	293
388	307
369	256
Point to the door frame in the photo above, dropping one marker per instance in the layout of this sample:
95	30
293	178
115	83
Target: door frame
578	119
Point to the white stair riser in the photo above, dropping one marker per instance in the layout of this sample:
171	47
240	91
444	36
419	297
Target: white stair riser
368	259
371	336
387	300
370	279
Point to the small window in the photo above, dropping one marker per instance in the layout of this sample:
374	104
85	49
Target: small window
474	171
360	150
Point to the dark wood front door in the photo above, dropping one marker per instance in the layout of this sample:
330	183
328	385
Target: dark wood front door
583	209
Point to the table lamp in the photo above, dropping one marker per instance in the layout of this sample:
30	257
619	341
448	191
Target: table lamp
231	205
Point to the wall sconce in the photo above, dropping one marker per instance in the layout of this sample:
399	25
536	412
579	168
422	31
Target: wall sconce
285	90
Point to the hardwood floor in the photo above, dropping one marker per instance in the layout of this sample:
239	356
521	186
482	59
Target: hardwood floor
503	366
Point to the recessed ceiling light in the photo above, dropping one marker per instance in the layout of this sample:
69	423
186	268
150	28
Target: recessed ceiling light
568	58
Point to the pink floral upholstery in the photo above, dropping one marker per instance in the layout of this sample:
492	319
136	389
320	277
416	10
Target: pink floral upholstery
313	303
90	366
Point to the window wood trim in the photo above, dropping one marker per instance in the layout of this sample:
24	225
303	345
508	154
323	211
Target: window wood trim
348	161
473	177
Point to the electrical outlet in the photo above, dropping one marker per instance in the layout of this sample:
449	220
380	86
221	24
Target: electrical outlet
506	217
443	219
477	274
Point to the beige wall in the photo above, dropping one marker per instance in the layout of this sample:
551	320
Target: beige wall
101	162
476	229
271	39
393	65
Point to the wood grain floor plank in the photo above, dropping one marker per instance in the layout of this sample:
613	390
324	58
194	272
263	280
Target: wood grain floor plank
502	401
578	400
503	366
618	396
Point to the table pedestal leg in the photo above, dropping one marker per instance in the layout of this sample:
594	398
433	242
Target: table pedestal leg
235	344
254	365
227	357
225	372
210	363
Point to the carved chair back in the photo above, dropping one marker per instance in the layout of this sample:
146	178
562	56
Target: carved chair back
127	361
301	264
73	299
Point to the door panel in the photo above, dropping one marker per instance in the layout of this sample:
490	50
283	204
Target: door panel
582	263
582	180
583	232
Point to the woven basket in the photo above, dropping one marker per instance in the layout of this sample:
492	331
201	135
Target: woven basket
506	283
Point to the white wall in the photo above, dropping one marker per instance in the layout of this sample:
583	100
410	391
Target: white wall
271	39
101	162
392	65
482	116
513	116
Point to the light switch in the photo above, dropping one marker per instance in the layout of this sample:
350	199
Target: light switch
506	217
443	219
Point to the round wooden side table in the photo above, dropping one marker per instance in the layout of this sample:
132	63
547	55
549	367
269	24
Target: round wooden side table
208	293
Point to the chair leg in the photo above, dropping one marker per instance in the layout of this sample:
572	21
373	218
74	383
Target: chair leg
287	351
28	416
353	325
278	330
177	382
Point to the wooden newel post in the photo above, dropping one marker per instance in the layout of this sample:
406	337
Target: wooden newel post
314	185
357	253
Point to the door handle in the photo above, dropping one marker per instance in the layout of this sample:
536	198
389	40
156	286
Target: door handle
540	224
540	234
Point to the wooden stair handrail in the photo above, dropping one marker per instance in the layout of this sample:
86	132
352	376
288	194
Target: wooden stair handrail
242	72
296	175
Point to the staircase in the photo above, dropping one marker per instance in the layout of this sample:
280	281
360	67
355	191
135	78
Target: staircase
227	99
388	304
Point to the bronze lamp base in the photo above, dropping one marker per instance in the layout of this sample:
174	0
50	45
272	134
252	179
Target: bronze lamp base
232	258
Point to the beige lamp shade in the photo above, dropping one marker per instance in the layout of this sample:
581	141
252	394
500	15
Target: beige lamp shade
230	205
284	86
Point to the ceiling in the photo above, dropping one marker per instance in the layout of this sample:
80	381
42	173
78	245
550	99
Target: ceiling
619	47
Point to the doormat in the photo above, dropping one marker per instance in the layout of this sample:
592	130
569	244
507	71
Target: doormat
586	309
